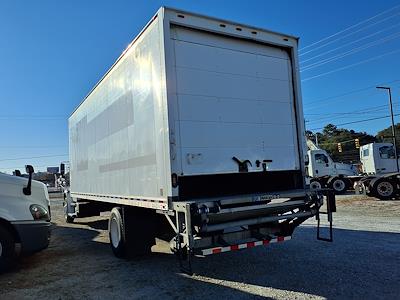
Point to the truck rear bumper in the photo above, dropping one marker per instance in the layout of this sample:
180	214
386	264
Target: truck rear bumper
209	227
34	235
216	250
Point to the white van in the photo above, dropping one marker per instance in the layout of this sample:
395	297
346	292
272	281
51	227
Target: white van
24	217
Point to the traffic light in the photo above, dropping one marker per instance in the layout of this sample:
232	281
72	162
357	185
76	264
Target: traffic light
357	142
339	147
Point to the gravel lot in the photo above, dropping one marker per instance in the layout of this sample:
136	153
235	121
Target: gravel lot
363	262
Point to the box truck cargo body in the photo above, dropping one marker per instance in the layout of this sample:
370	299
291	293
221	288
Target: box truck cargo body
199	121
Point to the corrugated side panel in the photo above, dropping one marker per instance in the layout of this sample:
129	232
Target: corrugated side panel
116	135
235	98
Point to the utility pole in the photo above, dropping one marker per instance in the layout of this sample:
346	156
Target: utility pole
393	128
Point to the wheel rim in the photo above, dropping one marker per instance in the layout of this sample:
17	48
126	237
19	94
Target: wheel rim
339	185
315	185
385	189
115	234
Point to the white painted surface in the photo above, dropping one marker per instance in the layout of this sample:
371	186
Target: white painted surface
235	98
321	164
118	134
14	204
378	158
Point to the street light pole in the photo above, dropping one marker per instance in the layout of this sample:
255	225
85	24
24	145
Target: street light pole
393	128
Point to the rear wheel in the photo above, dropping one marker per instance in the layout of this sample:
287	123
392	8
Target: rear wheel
315	185
116	233
131	231
7	249
383	189
339	185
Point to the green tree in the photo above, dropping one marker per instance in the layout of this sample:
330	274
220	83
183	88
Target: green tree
385	135
330	136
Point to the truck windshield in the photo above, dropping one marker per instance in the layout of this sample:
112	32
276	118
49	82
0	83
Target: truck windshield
386	152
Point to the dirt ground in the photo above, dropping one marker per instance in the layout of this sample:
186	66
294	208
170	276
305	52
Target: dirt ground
362	262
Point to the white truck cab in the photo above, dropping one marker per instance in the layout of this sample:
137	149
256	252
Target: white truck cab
321	164
378	158
24	217
322	171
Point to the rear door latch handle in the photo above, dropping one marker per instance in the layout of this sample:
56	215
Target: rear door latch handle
242	164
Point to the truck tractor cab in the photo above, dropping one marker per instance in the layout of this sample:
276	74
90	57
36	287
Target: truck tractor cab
324	172
24	217
321	164
378	158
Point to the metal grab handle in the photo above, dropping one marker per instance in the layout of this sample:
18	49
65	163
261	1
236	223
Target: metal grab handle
242	164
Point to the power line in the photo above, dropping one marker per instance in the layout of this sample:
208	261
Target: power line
348	44
56	155
351	65
352	91
354	122
316	105
358	111
351	27
318	120
365	110
350	52
349	34
341	142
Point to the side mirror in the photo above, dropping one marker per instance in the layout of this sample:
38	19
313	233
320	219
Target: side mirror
62	169
29	169
28	190
17	173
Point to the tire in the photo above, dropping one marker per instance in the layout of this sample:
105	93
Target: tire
315	185
116	233
131	231
338	184
7	249
383	189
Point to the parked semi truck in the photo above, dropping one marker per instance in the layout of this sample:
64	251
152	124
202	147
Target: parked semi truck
325	173
380	166
378	176
194	136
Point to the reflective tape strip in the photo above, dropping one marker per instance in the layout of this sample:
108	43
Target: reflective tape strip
244	246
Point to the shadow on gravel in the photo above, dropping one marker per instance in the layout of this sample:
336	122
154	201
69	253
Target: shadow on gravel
359	264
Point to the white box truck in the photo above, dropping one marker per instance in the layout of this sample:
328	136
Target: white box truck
195	135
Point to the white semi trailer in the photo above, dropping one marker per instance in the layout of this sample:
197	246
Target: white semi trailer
195	135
